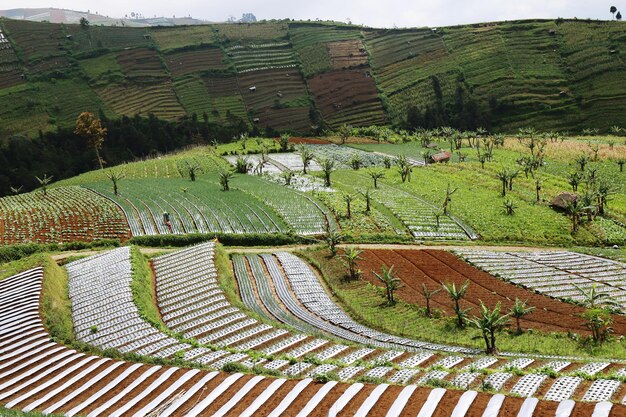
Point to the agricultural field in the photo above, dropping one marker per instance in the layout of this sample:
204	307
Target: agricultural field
64	214
156	97
414	269
249	33
197	60
140	62
312	42
261	57
35	40
174	38
347	54
347	97
195	208
83	41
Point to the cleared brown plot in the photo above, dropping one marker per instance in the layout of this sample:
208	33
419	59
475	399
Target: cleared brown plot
347	54
221	86
433	268
11	78
347	97
140	62
292	119
261	89
187	62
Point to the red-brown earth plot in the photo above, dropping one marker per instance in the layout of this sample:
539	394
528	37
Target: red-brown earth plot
435	267
347	97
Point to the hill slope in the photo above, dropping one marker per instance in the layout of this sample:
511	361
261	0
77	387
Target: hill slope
296	76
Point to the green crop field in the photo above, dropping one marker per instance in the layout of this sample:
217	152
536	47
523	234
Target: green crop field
563	75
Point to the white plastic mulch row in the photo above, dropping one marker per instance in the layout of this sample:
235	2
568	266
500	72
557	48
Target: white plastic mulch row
555	273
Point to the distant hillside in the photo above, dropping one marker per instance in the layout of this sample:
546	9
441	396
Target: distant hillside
53	15
299	76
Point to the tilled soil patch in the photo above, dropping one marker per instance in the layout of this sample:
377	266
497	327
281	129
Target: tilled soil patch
433	268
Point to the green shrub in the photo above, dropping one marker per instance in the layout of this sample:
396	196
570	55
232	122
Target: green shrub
233	367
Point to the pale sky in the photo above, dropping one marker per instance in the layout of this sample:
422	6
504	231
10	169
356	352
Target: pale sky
377	13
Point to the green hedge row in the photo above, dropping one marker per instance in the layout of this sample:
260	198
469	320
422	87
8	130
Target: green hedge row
16	252
251	239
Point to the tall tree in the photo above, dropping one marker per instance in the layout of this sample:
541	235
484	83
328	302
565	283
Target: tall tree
89	127
613	10
428	295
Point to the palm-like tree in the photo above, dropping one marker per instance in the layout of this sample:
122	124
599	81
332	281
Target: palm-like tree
333	237
348	198
225	177
391	283
44	182
428	295
575	209
519	310
351	257
307	156
287	175
344	132
592	298
490	322
328	166
376	175
115	177
456	294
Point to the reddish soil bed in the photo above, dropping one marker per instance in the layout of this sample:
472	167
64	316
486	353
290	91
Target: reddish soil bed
344	96
434	267
347	54
312	141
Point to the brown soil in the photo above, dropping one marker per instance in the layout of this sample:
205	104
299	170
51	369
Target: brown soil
355	402
447	403
186	62
511	406
226	395
42	381
202	393
416	401
385	401
618	410
113	392
275	399
94	388
172	379
343	95
478	406
328	401
434	267
347	54
249	398
586	409
70	389
302	400
546	408
138	389
311	141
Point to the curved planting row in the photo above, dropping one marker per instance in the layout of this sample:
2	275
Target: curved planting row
419	216
193	208
63	214
38	374
559	274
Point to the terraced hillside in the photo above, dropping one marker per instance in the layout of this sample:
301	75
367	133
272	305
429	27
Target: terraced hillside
562	75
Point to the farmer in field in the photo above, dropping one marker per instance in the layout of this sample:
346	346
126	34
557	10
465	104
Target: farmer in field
166	220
